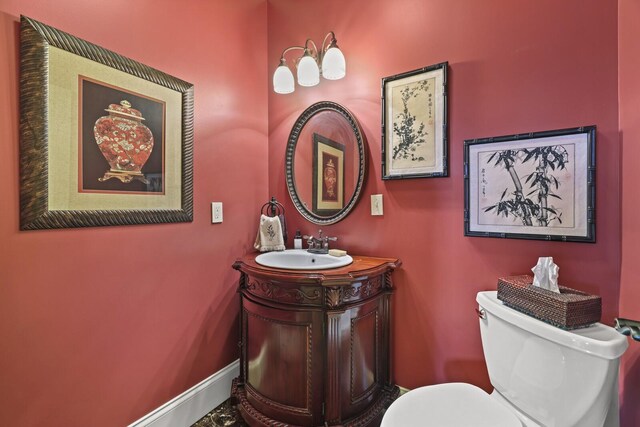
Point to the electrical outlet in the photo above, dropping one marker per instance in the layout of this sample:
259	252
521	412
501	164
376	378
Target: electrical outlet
216	212
376	205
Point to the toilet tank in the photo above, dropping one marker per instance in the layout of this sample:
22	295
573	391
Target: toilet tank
555	377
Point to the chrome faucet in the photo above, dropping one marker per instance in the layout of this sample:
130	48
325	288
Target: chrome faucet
319	245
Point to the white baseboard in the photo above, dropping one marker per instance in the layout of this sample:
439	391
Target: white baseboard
403	390
187	408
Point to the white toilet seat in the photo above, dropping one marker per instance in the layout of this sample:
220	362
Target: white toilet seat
448	405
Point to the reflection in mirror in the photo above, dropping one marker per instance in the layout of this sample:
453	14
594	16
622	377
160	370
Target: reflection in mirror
325	163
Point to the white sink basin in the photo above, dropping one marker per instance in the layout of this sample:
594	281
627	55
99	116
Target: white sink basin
300	259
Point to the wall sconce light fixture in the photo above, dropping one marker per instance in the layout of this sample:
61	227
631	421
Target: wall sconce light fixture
328	62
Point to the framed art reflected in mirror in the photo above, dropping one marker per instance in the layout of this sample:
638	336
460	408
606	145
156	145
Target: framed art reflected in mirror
328	176
325	163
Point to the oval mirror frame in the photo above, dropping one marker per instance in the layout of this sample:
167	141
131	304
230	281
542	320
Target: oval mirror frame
292	143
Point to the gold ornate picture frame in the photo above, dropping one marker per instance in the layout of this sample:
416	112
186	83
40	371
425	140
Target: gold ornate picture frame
104	140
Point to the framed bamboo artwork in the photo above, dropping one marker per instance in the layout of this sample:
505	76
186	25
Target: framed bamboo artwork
538	185
104	140
414	124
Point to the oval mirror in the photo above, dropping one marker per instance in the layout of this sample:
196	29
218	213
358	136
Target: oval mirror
325	163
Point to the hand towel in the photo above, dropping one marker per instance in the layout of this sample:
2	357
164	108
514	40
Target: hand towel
269	236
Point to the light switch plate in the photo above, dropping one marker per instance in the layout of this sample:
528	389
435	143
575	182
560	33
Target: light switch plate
376	205
216	212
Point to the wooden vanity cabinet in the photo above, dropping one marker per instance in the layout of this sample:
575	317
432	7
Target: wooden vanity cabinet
314	345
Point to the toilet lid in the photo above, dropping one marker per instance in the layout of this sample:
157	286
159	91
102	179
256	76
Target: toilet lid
448	405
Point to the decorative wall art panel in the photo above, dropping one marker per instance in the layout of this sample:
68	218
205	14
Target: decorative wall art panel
414	123
532	186
328	176
105	140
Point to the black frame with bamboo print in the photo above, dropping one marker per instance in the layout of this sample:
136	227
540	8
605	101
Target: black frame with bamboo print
538	185
415	124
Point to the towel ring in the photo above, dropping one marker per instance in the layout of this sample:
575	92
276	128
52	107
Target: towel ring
272	208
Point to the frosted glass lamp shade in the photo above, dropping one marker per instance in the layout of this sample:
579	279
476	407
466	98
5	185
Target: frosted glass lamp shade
283	80
308	72
333	64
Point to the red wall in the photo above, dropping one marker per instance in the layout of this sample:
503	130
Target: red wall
629	89
517	66
83	344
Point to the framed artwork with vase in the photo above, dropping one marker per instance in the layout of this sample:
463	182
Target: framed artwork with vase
104	140
328	175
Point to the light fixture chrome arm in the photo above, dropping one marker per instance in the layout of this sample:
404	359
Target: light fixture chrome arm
315	52
289	49
332	42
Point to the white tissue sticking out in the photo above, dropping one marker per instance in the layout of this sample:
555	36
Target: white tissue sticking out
545	274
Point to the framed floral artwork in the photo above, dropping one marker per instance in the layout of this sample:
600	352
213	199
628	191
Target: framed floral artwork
104	140
538	185
414	123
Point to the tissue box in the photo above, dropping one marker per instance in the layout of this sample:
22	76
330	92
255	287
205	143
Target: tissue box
570	309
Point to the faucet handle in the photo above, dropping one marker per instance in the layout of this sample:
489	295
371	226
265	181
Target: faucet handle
325	241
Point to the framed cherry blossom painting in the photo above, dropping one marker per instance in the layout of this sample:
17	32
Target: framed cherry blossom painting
414	124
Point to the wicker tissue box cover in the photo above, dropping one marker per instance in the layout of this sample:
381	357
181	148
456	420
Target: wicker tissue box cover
570	309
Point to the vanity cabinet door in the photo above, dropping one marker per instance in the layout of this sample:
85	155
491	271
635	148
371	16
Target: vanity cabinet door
357	358
283	362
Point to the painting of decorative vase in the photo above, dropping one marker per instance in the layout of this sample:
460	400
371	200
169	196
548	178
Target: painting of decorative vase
124	142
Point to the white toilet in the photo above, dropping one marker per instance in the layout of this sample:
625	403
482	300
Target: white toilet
542	376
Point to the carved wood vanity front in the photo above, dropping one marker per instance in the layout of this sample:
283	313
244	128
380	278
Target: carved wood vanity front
314	344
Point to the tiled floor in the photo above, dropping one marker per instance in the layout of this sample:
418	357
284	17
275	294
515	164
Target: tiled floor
224	415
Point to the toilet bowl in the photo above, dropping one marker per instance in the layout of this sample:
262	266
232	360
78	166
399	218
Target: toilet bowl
542	376
449	405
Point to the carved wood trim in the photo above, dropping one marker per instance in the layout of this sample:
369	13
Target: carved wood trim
242	283
271	291
388	281
242	344
362	290
386	398
333	408
237	392
279	406
333	297
337	296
